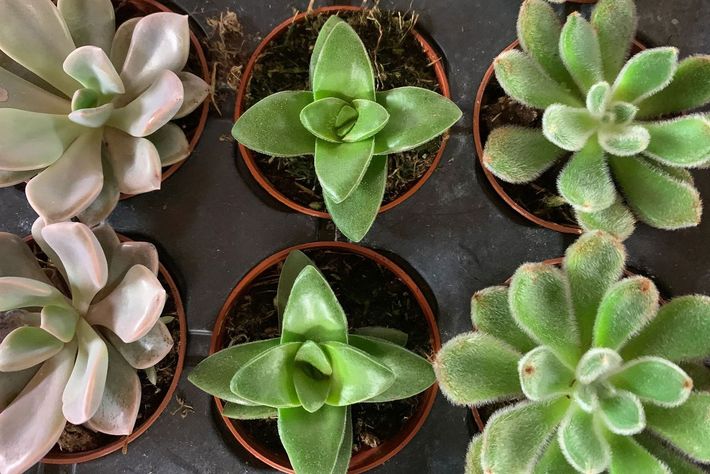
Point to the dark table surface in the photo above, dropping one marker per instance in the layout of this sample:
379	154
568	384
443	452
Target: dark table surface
212	224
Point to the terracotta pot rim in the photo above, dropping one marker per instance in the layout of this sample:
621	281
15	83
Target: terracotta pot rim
123	441
369	458
203	109
492	179
248	157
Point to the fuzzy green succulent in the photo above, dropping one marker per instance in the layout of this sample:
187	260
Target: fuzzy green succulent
72	336
595	373
310	376
85	108
601	108
347	126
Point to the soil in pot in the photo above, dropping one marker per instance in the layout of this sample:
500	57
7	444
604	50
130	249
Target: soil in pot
398	61
370	296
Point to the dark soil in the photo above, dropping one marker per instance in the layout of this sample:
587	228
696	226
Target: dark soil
540	196
398	60
370	296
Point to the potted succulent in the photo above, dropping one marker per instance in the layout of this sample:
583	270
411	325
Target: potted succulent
85	107
343	128
594	374
623	124
74	332
334	387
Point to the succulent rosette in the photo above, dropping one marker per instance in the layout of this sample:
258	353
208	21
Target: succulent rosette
85	107
73	334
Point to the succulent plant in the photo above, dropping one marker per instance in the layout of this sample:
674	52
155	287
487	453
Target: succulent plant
310	376
601	109
347	126
85	107
72	336
594	374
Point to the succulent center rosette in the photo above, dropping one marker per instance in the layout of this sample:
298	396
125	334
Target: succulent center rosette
85	108
73	334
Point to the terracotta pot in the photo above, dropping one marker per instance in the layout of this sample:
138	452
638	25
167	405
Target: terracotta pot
492	179
369	458
122	442
249	159
146	7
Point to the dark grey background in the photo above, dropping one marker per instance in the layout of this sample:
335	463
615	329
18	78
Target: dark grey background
212	224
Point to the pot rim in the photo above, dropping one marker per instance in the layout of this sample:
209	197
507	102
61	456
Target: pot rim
369	458
246	154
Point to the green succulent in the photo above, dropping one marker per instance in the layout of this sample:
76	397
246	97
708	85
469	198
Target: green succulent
347	126
73	335
310	376
600	108
595	374
85	108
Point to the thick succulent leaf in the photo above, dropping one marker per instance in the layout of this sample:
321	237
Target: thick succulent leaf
11	178
93	117
312	391
475	369
581	443
320	41
311	354
587	397
26	347
267	379
580	52
677	463
60	321
680	331
542	375
31	140
214	374
625	309
92	68
698	371
645	74
135	162
17	93
357	213
525	81
84	391
147	351
685	426
615	23
99	210
656	197
412	374
273	126
195	91
82	258
622	412
654	380
624	140
292	267
616	219
26	439
490	313
12	383
515	435
568	127
326	118
122	42
596	363
152	109
160	42
343	67
121	398
598	98
313	441
541	304
90	22
416	116
592	264
313	312
247	412
681	142
171	143
70	184
585	181
395	336
629	456
84	99
357	375
689	89
342	462
519	154
19	292
372	117
473	456
122	256
18	260
38	39
553	461
624	113
340	167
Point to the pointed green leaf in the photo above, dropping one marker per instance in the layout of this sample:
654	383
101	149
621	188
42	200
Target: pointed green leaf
645	74
490	313
247	412
395	336
616	219
626	308
341	166
541	304
357	213
598	98
525	81
321	118
615	23
624	140
596	363
657	198
273	126
473	456
581	443
320	41
677	463
292	267
654	380
475	369
686	426
311	354
311	387
623	413
681	142
313	312
624	113
26	347
372	117
542	375
579	50
568	127
519	154
585	181
553	461
342	462
629	456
